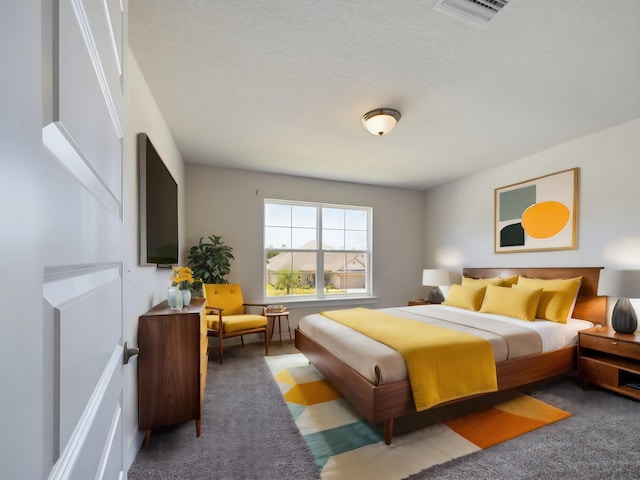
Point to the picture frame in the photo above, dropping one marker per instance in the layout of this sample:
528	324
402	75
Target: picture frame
538	214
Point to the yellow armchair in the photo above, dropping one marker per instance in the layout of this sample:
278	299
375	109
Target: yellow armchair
227	314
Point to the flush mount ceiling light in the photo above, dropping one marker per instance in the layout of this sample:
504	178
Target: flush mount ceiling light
380	120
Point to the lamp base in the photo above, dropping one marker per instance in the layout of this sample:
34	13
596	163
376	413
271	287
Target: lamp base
435	296
623	318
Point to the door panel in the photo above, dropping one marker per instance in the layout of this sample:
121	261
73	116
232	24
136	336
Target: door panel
90	111
84	304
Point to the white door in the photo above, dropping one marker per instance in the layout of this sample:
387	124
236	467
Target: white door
83	293
62	118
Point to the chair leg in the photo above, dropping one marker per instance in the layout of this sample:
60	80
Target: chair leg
266	343
220	346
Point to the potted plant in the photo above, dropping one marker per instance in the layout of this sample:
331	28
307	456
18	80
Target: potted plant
210	261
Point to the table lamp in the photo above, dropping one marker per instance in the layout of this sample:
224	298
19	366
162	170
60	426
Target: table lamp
623	284
435	278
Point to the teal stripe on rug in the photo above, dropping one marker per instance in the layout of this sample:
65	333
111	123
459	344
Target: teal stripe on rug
342	439
296	410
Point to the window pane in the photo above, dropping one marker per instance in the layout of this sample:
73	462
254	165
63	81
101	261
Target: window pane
304	216
332	239
356	220
291	273
304	238
345	273
333	217
304	264
276	215
280	277
277	237
355	240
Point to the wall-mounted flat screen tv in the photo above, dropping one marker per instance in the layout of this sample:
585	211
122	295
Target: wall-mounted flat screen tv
158	207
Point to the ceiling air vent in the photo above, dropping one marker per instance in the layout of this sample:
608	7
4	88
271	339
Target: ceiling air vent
479	12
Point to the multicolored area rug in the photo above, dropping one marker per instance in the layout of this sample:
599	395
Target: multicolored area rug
347	446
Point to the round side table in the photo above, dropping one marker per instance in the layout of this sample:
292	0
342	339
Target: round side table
273	316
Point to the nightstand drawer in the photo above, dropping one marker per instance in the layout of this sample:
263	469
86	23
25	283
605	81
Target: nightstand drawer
597	372
609	345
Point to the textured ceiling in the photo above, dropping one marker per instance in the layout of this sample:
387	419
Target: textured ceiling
281	86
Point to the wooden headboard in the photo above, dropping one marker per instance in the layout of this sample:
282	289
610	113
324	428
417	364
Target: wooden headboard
589	306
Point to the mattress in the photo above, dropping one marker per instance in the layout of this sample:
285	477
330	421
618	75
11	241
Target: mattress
509	337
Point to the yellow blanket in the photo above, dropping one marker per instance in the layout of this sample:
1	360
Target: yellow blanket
443	364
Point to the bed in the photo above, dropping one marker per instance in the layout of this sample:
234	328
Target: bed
384	402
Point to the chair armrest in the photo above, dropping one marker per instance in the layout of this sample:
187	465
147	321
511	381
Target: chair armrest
214	310
264	306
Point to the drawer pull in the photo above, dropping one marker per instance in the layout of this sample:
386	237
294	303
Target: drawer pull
614	343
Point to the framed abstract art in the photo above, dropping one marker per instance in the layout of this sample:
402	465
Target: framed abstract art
537	214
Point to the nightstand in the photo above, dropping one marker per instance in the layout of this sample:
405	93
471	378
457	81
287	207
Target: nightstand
419	301
610	360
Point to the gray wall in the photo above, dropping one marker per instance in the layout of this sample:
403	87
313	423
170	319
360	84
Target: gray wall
145	286
608	207
229	203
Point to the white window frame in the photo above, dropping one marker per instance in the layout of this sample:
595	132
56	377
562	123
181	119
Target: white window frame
320	297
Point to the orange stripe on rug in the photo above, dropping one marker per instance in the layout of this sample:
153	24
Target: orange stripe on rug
505	421
311	393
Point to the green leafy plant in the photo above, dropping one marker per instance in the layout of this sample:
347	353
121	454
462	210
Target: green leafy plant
210	261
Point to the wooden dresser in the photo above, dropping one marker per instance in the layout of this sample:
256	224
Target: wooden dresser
172	365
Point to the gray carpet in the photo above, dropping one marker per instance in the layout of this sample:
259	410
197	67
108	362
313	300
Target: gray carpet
248	433
600	441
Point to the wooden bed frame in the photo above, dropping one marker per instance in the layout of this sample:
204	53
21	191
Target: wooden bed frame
384	403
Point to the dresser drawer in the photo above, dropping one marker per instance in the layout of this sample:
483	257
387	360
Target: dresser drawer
609	345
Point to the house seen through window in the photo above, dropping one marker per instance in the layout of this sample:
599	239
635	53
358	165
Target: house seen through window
316	250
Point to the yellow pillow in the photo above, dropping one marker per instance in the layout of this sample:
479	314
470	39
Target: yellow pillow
465	296
482	281
519	303
558	296
510	281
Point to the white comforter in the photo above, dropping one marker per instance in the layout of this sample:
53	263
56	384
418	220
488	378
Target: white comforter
381	364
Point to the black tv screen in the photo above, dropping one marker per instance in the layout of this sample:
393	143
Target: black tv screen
158	207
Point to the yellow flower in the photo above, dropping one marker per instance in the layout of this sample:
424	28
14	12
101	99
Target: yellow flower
182	277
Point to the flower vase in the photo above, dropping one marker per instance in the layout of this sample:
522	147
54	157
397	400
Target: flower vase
175	298
186	297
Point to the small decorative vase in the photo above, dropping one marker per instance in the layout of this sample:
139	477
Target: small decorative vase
624	319
186	297
175	298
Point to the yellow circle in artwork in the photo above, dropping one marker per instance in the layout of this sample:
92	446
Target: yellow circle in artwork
545	219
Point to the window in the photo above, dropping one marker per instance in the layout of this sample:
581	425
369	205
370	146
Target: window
316	250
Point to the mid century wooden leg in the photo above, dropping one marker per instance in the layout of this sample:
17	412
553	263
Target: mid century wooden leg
147	437
388	431
198	424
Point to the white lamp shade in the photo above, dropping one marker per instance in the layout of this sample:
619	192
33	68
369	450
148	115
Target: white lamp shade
619	283
436	278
